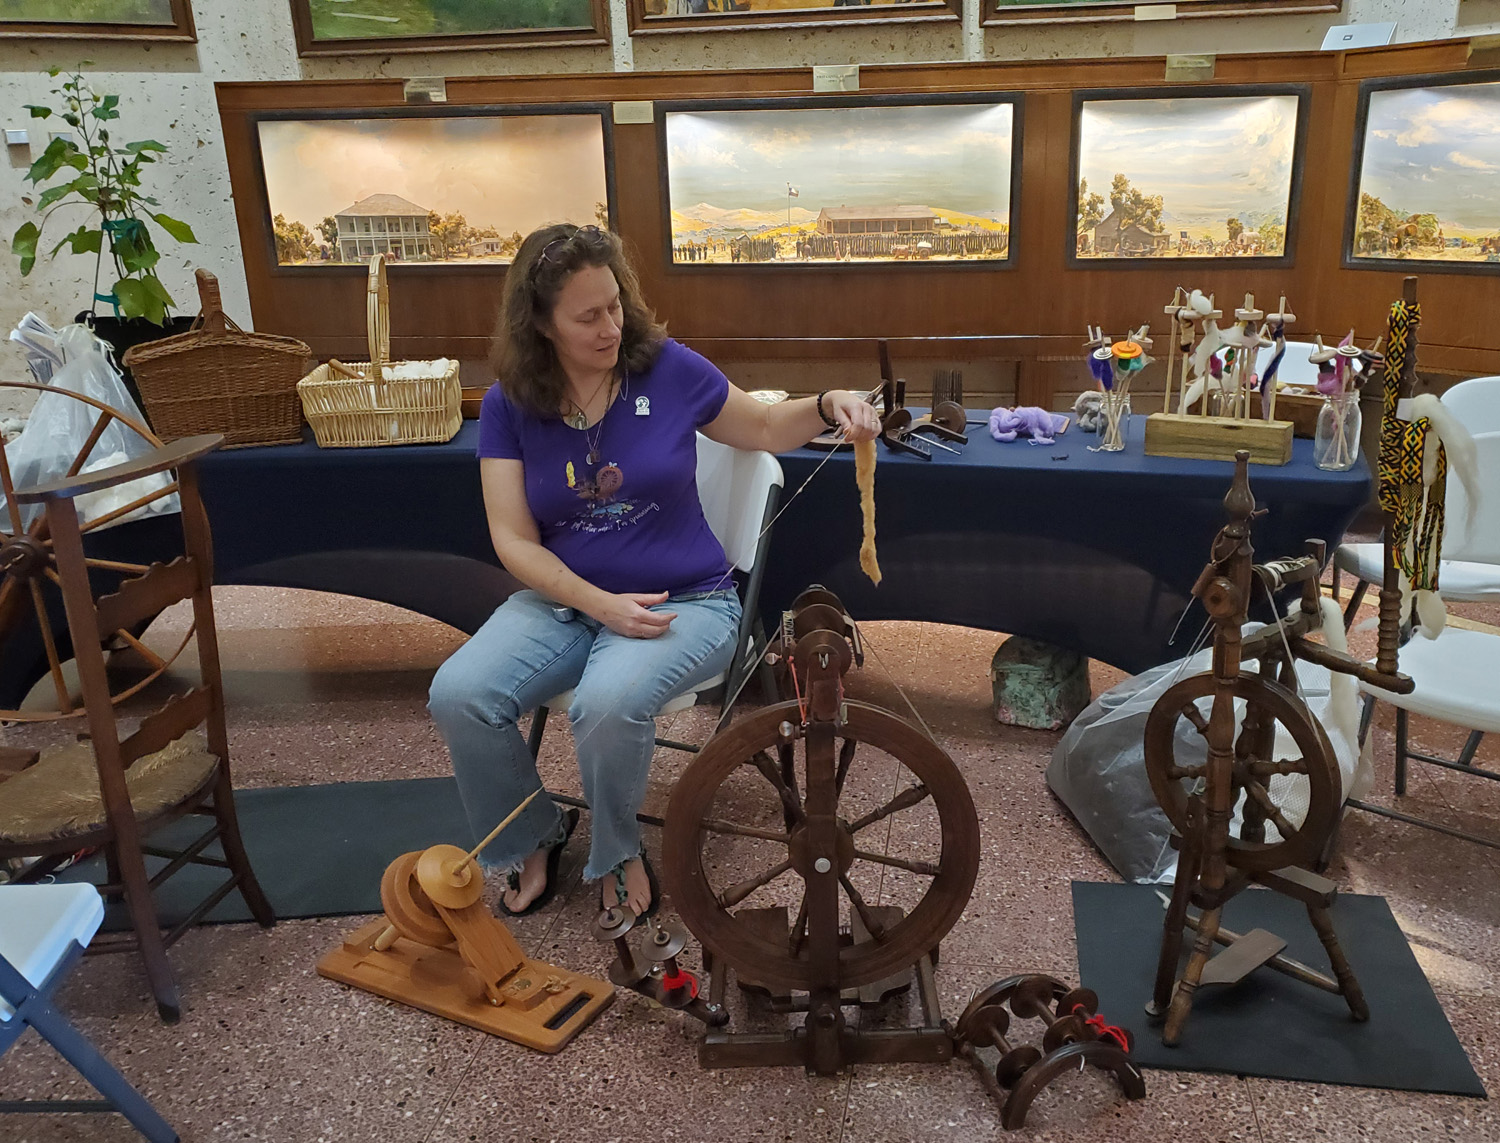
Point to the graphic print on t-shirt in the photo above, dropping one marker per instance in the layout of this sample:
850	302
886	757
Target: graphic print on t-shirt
604	513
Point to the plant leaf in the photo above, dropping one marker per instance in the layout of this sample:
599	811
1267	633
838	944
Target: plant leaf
37	111
131	244
24	246
137	300
80	186
105	108
157	290
52	160
83	240
145	145
178	230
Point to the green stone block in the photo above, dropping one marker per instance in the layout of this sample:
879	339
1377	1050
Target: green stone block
1038	685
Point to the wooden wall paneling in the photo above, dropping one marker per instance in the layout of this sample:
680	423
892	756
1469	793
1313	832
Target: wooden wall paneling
1033	313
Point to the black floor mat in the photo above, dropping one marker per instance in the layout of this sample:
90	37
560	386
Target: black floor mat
318	851
1269	1024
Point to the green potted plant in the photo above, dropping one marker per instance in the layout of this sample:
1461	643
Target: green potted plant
106	180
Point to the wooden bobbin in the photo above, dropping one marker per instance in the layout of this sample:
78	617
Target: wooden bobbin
1033	997
449	876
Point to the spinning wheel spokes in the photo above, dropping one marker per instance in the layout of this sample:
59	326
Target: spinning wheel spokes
1196	717
909	797
718	830
27	563
1263	785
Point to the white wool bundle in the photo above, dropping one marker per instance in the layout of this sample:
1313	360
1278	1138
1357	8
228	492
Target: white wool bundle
1343	694
415	370
1463	459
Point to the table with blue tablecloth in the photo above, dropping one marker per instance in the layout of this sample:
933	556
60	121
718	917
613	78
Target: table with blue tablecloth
1088	550
1093	551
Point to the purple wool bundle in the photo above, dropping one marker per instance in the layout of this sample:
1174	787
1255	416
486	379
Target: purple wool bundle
1038	424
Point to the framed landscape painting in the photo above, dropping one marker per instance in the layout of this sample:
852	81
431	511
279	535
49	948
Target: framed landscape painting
1426	165
1177	175
368	27
648	16
90	19
1080	11
452	188
841	181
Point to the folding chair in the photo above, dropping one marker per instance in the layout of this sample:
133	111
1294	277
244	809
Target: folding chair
1470	568
739	492
43	931
1455	676
113	790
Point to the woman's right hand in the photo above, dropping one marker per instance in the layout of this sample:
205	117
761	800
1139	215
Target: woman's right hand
628	614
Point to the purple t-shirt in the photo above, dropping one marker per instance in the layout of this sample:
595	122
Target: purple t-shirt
631	521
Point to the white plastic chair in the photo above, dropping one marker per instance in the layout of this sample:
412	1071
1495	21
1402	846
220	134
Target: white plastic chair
1476	402
43	931
1455	676
738	491
1470	568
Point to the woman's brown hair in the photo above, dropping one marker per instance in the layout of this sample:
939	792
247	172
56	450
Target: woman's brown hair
523	357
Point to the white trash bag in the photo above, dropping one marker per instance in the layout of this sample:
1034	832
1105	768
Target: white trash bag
59	427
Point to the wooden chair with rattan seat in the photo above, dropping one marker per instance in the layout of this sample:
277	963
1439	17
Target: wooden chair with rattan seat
112	791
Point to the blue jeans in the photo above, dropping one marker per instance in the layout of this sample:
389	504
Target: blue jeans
523	656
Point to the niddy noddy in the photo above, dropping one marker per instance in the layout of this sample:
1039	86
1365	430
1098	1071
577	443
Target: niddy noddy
440	949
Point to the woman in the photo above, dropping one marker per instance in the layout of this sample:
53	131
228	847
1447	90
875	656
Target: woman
587	460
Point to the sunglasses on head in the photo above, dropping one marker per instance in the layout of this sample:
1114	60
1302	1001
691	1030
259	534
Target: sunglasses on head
585	236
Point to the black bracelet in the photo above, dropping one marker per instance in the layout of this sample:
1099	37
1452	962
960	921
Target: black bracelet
823	415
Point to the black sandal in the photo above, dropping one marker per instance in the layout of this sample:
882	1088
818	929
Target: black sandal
554	859
619	875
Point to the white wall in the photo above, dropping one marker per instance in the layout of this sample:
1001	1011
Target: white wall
167	93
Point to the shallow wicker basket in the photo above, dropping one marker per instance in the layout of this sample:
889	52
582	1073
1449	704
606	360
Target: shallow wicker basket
360	404
218	378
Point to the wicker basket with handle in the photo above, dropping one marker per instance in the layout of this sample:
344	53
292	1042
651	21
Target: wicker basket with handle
381	402
218	378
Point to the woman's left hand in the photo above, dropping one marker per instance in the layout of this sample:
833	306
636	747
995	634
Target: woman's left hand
855	416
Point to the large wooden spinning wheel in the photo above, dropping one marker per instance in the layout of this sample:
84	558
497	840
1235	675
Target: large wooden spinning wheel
744	826
30	595
1263	785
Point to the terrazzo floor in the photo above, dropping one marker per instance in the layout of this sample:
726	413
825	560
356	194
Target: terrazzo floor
326	689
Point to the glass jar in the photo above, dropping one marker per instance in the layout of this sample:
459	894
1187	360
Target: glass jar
1336	443
1114	420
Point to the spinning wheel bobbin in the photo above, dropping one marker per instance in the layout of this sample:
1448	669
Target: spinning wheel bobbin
1024	1070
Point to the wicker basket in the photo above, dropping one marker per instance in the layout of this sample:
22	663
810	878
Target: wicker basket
359	405
217	378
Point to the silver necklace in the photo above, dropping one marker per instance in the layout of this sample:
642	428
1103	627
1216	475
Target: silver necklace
579	419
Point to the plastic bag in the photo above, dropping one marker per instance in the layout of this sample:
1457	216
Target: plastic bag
39	340
1098	768
59	427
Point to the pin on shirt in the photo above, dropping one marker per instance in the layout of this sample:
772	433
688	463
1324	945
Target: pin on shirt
643	406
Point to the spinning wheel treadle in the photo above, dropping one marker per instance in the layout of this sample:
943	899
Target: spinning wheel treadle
819	846
1268	704
29	577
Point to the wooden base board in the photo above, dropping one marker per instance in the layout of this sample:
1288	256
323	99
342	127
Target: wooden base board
1217	438
546	1006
